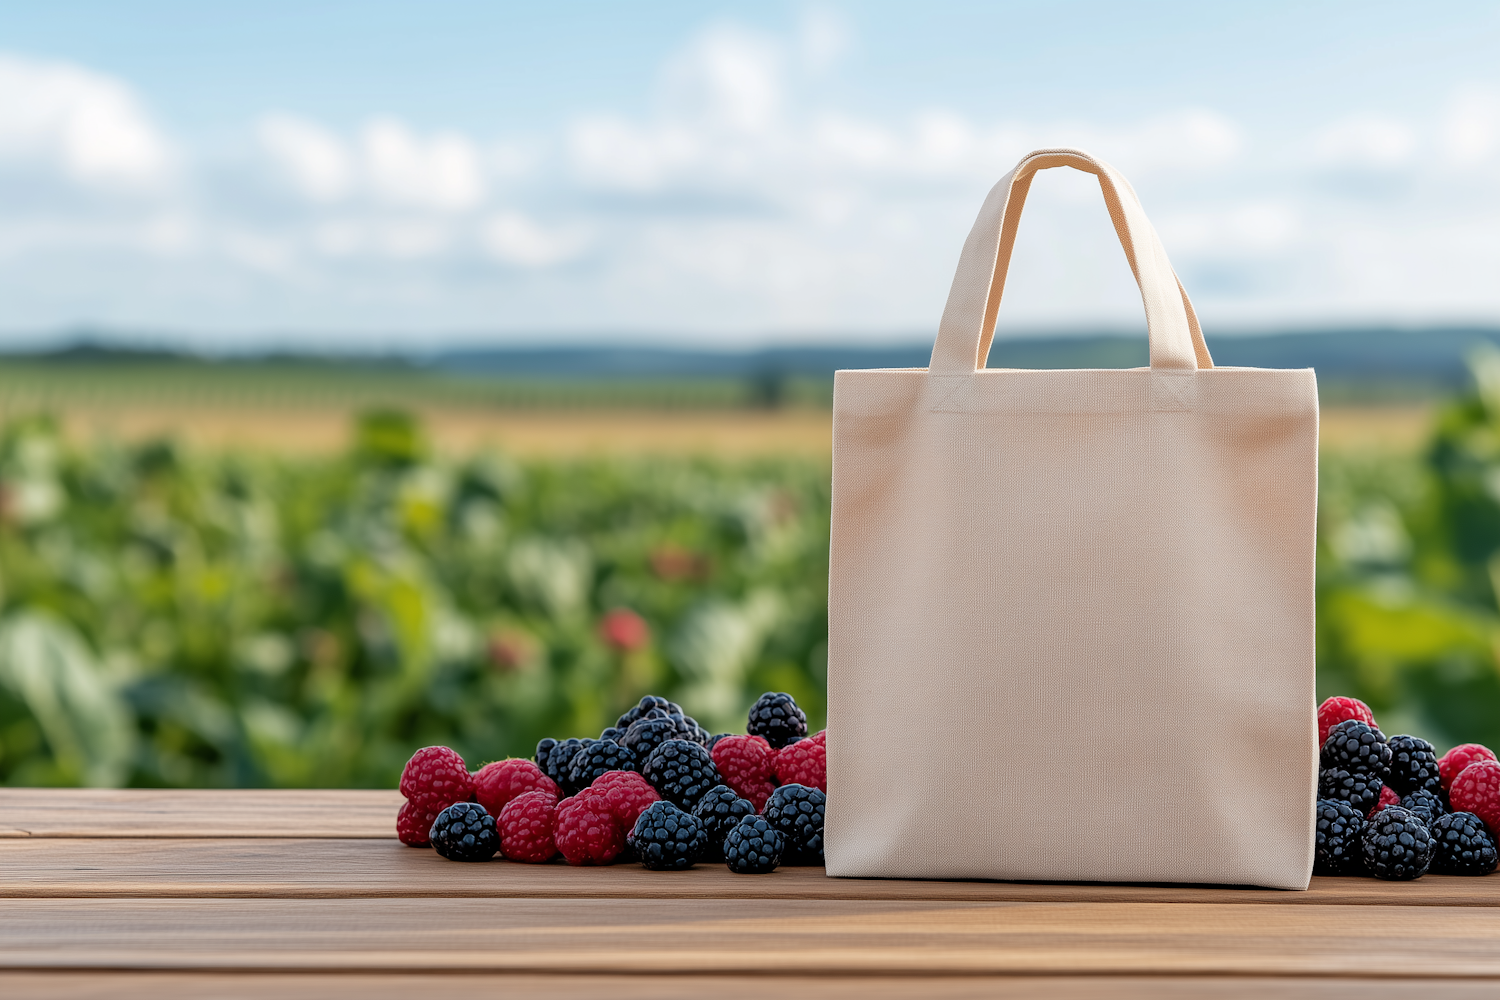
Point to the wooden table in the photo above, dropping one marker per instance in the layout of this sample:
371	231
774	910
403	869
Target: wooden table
308	894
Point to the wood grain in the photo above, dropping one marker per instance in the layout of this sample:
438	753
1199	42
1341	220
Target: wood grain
143	812
40	867
829	937
404	986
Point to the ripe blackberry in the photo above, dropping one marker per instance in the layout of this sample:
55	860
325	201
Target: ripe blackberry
651	701
753	847
1360	790
554	756
613	734
1337	849
681	772
596	758
1413	765
1425	804
1462	845
666	838
1354	746
1397	845
720	810
465	832
797	811
775	716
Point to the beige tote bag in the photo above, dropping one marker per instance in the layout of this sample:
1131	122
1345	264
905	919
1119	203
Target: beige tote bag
1071	612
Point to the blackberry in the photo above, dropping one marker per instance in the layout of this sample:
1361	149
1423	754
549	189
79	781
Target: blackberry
656	727
559	756
753	847
595	759
612	734
797	812
720	810
1425	804
1337	850
465	832
1360	790
1397	845
776	717
1356	747
681	771
667	839
647	704
543	748
1413	766
1462	846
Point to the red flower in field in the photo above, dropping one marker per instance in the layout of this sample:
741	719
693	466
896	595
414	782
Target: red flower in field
674	563
624	630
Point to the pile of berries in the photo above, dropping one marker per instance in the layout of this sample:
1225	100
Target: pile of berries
1393	809
655	788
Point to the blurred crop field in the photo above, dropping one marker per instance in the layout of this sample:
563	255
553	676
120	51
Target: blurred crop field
215	579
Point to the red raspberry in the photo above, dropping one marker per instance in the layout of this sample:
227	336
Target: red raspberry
1387	798
803	763
626	794
586	832
1336	710
413	824
526	824
435	778
821	736
1453	762
746	764
496	784
1477	790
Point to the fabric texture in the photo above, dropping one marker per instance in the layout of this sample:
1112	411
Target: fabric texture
1098	584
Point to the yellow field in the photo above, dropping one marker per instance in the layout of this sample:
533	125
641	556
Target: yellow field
578	432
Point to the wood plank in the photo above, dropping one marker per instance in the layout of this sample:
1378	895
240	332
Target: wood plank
238	812
258	867
404	986
725	937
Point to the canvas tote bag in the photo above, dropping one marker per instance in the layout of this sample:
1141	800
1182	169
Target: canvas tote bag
1071	612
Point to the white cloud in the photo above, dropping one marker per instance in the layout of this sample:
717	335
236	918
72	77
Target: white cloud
1471	127
442	172
316	162
515	239
1366	142
728	79
89	126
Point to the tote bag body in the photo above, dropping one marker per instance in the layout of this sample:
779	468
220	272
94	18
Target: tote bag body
1071	612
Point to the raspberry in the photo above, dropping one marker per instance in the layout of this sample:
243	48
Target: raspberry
797	811
668	839
413	824
803	763
1337	833
1387	798
1413	765
1361	791
681	771
1336	710
435	778
1464	846
1397	845
586	833
465	832
1453	762
496	784
627	795
821	736
747	765
1477	790
596	758
1354	746
775	716
526	825
753	847
720	811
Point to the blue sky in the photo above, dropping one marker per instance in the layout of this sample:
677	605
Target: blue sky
403	175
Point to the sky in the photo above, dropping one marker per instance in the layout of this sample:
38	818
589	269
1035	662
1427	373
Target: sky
378	176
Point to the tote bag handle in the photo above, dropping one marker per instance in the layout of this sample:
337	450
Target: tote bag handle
968	324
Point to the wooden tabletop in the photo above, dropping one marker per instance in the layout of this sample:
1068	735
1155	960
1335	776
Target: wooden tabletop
308	894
